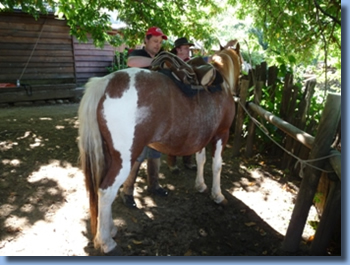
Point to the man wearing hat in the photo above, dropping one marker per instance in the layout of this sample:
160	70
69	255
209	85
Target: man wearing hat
142	58
182	50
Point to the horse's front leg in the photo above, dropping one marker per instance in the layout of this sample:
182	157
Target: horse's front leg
216	167
199	183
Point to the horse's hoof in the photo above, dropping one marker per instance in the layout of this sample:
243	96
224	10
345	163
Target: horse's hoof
174	170
117	251
205	191
224	202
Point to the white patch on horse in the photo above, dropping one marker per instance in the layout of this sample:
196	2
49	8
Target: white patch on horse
216	167
121	115
199	182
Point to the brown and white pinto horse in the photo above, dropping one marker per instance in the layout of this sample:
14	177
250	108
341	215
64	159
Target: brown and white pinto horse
126	110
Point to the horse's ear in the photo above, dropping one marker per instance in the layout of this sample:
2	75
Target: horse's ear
237	48
221	48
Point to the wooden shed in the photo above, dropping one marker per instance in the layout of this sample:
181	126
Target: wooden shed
48	62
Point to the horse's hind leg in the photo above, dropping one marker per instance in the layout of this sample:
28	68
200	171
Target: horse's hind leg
105	222
199	183
106	229
216	167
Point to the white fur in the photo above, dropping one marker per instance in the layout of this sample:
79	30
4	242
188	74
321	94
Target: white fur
199	182
216	166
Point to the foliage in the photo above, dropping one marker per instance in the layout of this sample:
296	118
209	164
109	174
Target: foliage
293	31
303	29
187	18
273	105
120	61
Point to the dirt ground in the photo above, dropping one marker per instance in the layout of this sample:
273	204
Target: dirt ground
44	205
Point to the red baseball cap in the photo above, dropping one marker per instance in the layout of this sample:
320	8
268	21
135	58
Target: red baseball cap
155	31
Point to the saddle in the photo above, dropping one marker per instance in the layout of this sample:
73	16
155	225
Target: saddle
195	72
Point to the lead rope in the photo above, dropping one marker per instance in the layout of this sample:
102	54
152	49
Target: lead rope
303	163
30	57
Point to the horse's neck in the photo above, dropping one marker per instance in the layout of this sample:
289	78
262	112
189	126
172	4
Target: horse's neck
224	64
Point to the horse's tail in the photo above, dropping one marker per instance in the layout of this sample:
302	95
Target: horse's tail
90	143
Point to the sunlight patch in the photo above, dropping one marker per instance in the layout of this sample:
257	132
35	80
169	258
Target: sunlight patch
255	174
6	145
13	162
26	134
6	209
273	205
36	144
150	215
15	223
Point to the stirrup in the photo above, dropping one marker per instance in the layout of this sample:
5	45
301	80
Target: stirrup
205	74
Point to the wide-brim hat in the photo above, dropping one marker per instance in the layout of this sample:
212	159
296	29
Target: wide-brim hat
155	31
182	41
179	42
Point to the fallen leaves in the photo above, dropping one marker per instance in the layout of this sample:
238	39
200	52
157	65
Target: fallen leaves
249	224
136	242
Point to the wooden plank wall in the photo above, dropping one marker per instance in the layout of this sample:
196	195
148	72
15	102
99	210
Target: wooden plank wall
58	63
91	61
52	61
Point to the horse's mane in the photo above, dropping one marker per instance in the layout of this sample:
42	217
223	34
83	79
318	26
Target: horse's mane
228	62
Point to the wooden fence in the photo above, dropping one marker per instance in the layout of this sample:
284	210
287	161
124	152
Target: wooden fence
299	143
43	55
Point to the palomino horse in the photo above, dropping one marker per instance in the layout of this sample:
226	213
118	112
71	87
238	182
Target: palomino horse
126	110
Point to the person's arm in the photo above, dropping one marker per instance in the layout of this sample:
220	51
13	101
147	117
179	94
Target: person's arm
139	61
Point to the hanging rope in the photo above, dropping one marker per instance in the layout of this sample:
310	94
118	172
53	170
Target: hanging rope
30	57
303	163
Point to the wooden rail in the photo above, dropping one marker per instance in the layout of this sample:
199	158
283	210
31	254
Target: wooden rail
299	135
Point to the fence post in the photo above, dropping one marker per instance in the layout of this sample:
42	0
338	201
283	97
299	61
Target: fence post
251	126
293	91
330	217
271	82
240	118
321	147
300	122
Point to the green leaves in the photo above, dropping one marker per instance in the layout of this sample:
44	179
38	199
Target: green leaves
301	29
297	31
176	18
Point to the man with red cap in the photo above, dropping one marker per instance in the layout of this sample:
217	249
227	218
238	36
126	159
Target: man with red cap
142	58
153	43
